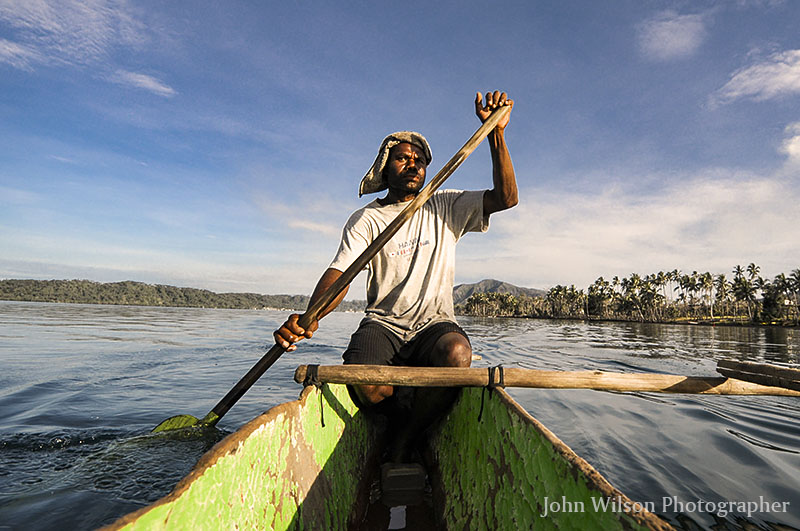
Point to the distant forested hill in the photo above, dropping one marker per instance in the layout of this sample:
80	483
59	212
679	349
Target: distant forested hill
141	294
462	292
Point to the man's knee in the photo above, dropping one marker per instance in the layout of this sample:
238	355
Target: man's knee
371	395
453	350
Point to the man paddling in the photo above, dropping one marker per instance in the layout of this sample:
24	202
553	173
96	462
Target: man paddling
409	316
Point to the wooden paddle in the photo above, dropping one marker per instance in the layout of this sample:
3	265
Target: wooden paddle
512	377
311	315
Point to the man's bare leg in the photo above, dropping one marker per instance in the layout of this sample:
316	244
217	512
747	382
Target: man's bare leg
430	403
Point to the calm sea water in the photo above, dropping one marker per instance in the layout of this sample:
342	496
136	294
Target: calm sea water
82	385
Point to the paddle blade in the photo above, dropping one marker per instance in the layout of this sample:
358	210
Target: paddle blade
176	423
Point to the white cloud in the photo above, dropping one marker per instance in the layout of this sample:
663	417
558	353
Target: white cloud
708	222
671	36
791	145
75	32
142	81
777	76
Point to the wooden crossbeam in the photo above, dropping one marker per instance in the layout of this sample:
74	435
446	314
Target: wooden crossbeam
514	377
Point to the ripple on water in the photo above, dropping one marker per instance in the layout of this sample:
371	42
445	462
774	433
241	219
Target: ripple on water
123	469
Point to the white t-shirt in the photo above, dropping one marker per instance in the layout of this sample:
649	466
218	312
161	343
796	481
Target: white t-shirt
410	282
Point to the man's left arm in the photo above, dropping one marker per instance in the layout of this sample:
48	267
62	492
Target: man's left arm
504	194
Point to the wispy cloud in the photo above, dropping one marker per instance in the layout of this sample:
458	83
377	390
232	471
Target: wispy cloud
142	81
314	218
18	55
78	34
760	3
311	226
669	35
71	32
777	76
18	196
65	160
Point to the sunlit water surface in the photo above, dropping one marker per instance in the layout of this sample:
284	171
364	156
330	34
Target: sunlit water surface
82	385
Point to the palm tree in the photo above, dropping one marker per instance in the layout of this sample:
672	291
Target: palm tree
630	294
781	282
753	270
555	299
777	297
745	291
706	282
599	297
651	299
723	289
578	302
508	304
658	280
674	276
794	280
688	285
694	287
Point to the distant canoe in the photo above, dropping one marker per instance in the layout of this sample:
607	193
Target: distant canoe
314	464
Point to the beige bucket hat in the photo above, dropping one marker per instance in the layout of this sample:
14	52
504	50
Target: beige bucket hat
373	181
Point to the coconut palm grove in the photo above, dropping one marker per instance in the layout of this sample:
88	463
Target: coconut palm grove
741	297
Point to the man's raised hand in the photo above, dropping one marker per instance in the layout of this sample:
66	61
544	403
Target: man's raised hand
493	101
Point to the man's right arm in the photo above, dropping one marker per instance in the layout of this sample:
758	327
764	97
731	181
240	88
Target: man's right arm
504	193
291	332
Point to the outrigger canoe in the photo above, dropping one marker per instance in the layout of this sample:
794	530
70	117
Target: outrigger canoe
314	463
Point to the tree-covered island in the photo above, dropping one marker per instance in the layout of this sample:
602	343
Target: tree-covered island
141	294
744	298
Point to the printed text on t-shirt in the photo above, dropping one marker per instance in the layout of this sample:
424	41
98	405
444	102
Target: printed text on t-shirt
407	248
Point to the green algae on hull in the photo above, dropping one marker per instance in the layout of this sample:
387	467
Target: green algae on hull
504	470
282	470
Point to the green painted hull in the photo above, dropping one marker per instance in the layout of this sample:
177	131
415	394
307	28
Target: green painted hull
309	464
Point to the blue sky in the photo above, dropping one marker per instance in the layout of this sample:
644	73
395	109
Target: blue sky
220	144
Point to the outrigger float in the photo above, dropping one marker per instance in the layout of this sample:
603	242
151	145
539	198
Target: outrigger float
314	463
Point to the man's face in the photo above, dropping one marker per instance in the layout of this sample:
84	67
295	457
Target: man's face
405	169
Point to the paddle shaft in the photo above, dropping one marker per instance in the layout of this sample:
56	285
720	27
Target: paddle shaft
512	377
313	312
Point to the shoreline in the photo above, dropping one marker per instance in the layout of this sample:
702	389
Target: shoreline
688	322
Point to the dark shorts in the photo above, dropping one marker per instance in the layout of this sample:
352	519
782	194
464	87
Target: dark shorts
374	344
